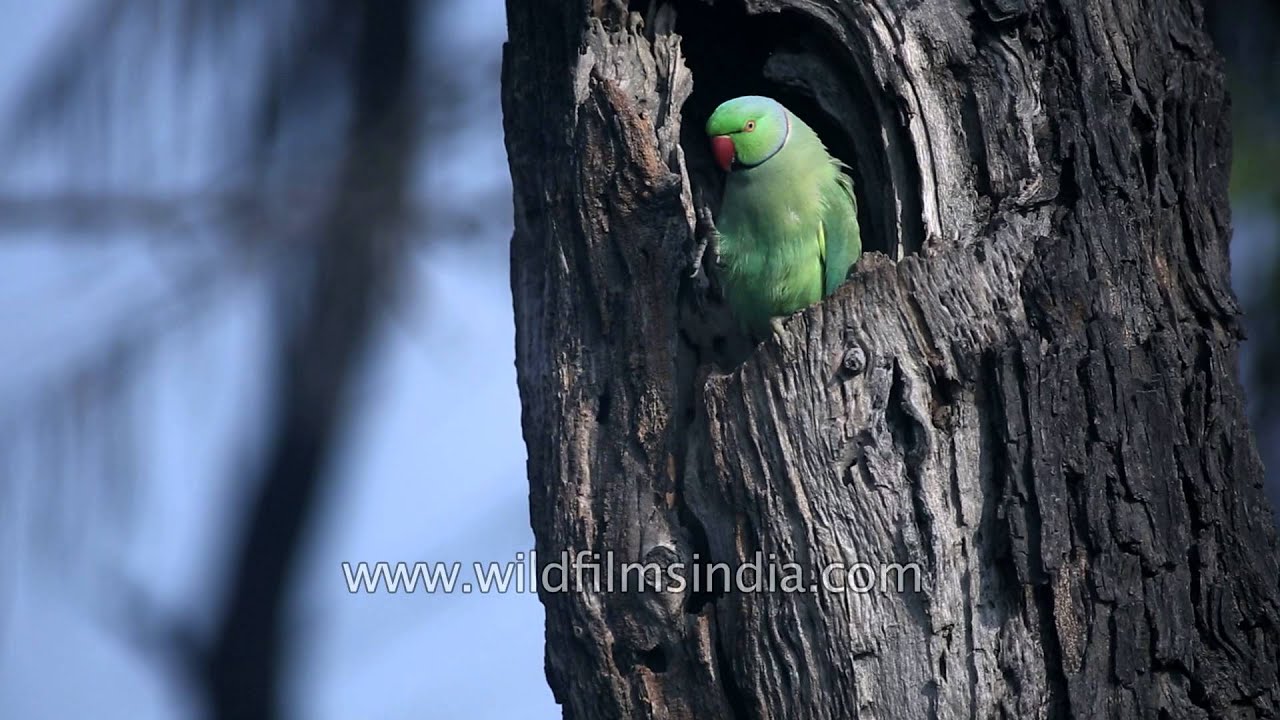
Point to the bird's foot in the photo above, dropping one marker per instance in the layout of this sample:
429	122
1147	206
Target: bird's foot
705	232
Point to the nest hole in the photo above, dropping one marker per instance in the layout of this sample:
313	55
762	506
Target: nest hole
796	60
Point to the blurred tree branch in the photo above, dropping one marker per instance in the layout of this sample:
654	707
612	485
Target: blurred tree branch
258	217
358	253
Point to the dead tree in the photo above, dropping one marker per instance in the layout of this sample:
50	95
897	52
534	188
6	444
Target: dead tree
1028	391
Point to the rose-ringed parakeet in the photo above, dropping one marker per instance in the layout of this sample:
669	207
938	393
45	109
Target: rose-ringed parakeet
788	224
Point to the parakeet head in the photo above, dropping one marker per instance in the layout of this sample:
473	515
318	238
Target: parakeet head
747	131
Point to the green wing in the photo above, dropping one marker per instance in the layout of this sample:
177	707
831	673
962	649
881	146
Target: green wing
839	240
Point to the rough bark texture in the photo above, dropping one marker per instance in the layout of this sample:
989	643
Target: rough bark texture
1030	394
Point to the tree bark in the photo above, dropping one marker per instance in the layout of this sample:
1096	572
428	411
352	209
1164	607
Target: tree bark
1029	392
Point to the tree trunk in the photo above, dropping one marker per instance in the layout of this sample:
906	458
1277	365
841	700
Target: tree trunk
1028	394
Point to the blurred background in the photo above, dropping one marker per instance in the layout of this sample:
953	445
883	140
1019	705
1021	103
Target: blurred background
255	322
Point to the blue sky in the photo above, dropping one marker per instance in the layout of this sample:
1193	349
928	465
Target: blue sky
433	468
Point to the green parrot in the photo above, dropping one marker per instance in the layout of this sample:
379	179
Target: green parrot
788	224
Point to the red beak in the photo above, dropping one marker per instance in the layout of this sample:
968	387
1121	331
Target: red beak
722	149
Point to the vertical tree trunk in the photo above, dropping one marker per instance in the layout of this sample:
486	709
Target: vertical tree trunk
1029	394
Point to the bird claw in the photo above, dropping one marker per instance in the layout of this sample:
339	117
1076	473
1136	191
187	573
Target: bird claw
706	234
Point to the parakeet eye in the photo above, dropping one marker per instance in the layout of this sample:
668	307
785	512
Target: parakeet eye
751	125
